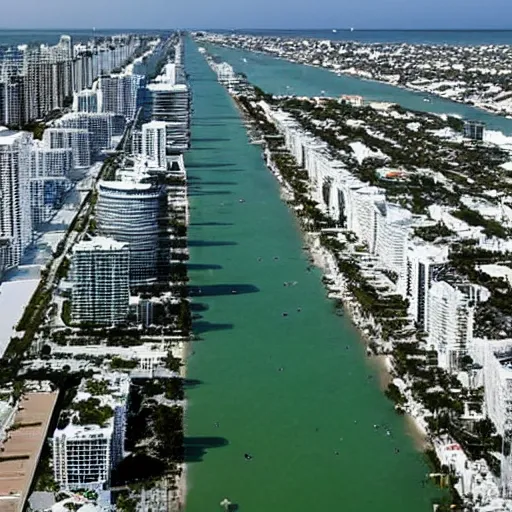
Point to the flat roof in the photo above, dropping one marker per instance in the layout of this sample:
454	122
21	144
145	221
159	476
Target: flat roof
100	243
9	136
16	475
167	86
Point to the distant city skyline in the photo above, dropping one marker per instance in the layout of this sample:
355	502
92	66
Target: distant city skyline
266	14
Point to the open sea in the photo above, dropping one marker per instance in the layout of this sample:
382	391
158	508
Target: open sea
459	37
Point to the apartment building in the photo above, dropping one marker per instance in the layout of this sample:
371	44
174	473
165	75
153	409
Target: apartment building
15	215
88	100
169	101
128	211
100	281
121	94
423	264
49	179
153	144
451	318
98	125
76	139
85	454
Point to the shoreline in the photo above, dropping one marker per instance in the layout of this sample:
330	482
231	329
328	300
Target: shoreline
382	363
360	76
179	493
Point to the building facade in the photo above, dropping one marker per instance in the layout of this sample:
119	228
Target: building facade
100	282
49	179
15	214
451	319
128	211
84	455
153	144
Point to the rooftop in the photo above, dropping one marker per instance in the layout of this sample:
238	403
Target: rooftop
99	243
22	449
8	137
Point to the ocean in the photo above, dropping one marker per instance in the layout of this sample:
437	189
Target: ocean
50	37
438	37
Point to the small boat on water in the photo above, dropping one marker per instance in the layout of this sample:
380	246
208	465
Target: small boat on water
427	100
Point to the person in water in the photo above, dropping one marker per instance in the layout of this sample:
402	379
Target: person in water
247	456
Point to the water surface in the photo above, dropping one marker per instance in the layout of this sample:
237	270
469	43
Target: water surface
309	427
278	76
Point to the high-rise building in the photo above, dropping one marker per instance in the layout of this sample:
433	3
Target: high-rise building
423	264
99	126
100	281
121	94
129	211
49	179
15	215
153	144
85	454
75	139
168	99
450	320
87	100
136	142
13	106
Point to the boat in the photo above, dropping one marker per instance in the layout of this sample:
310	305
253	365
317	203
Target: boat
244	59
334	31
351	29
427	100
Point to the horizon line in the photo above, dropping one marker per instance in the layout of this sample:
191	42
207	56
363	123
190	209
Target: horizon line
96	29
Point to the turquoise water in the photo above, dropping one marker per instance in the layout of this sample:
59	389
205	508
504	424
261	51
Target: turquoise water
281	77
310	427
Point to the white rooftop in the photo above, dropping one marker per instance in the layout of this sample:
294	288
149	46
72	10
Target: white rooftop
498	271
9	137
166	86
99	243
125	185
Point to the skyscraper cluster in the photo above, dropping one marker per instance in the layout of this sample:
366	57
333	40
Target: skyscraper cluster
168	100
36	81
131	209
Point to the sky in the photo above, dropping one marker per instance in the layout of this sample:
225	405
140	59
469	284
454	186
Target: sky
285	14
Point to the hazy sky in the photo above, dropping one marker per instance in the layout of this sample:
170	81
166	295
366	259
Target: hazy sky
255	13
